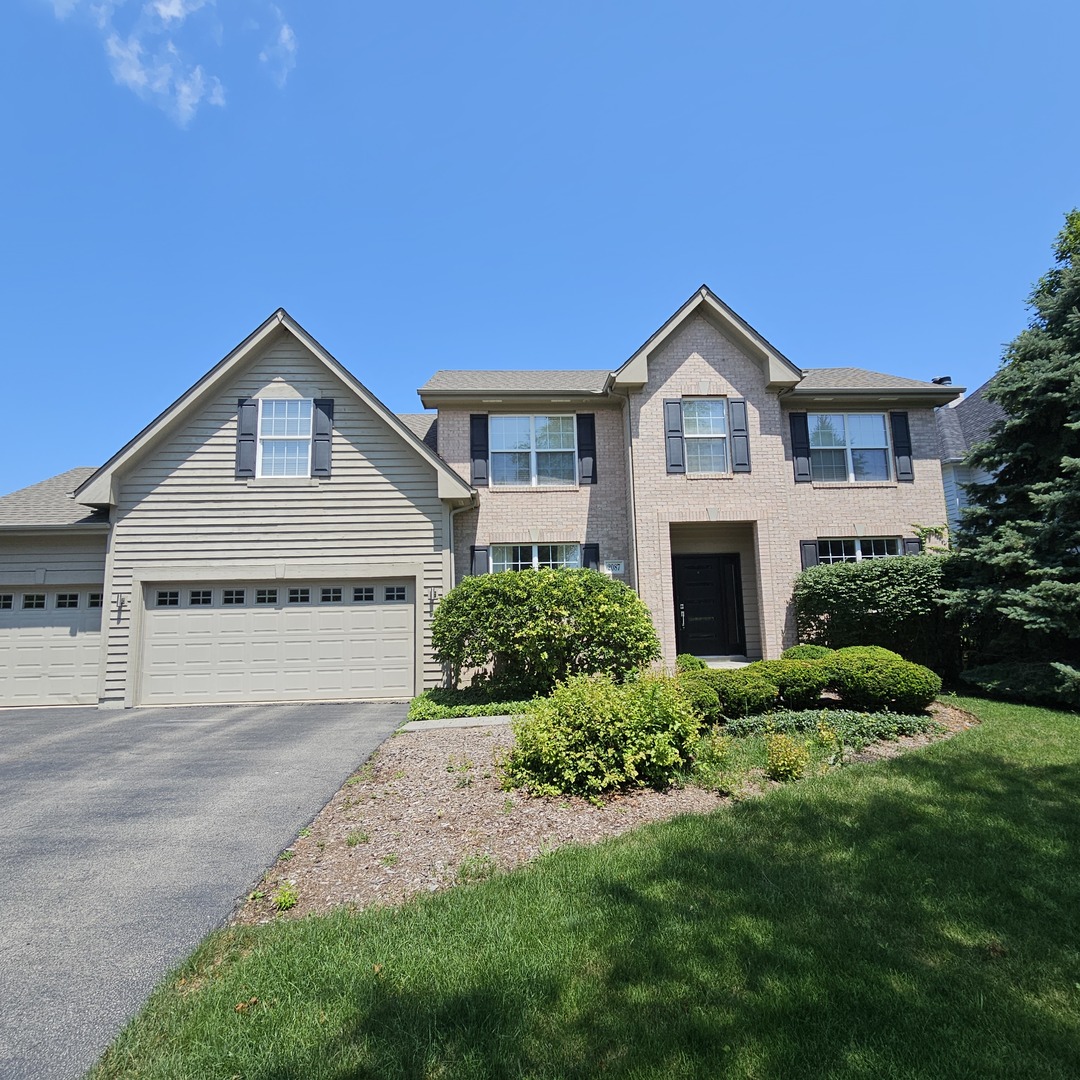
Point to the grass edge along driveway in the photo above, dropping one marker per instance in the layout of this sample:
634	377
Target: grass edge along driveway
913	918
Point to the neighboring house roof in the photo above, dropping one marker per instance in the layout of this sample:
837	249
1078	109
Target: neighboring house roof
49	504
425	426
100	488
968	422
470	383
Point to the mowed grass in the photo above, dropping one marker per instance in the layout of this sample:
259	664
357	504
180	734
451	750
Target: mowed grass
918	918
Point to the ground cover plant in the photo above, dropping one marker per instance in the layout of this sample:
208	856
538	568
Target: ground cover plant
914	918
445	704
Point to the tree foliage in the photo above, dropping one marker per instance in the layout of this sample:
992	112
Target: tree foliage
1016	578
524	631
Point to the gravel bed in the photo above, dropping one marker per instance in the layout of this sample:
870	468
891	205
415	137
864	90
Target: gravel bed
427	812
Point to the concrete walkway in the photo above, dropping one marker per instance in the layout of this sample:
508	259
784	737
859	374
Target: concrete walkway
127	836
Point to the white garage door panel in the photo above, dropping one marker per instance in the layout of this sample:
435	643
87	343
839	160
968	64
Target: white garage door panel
277	652
50	656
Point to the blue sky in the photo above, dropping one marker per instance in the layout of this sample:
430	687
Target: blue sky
499	184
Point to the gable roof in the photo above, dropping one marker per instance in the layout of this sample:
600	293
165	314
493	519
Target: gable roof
444	383
779	370
968	422
49	504
100	488
425	426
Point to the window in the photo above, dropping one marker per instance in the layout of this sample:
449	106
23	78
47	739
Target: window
836	551
33	601
364	594
330	596
266	596
6	601
168	598
200	597
93	600
299	596
540	451
534	556
848	447
395	593
232	596
67	600
284	438
706	433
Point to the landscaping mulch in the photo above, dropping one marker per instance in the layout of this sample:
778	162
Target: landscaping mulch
427	812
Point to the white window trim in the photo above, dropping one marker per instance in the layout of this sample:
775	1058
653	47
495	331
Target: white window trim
847	448
260	439
726	437
535	554
533	477
858	541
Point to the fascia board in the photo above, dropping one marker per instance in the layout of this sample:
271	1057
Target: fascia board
912	396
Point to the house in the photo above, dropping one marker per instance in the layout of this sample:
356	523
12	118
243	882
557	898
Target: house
278	534
961	425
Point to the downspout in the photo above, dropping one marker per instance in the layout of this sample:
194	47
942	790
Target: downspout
630	486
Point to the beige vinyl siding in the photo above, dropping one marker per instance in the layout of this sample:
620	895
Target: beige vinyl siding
47	559
181	505
728	539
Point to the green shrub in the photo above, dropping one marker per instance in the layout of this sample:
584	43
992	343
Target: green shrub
742	692
799	682
786	758
1053	684
700	692
443	704
866	680
689	662
892	602
593	735
806	652
856	728
524	631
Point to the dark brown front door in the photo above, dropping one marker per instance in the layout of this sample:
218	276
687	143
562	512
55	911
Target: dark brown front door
708	605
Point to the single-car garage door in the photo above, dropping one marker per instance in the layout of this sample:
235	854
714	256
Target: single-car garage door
269	641
50	645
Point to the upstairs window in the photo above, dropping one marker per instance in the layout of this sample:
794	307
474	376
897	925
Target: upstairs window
848	447
284	438
536	451
705	429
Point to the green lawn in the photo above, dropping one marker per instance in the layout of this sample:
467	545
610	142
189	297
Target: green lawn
918	918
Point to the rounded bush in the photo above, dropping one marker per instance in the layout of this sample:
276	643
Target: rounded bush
742	692
524	631
689	662
874	683
806	652
800	682
593	735
701	694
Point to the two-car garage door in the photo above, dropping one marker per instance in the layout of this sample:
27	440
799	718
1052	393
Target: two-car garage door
277	641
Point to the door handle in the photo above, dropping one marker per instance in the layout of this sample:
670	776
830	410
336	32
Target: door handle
682	617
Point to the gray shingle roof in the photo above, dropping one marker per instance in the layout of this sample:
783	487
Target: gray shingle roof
853	378
425	426
967	423
591	381
48	503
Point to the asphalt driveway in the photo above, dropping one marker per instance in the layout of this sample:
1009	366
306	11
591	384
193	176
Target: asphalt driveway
126	836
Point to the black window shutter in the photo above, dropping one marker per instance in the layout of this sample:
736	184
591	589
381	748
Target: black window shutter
809	551
901	444
800	446
740	435
673	435
912	545
247	421
586	448
481	563
478	449
322	436
590	556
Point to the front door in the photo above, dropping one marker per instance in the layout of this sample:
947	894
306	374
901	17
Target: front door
708	605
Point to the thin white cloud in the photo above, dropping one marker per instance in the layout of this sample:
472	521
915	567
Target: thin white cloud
148	46
280	55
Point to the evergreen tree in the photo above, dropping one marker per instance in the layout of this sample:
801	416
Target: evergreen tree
1017	569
